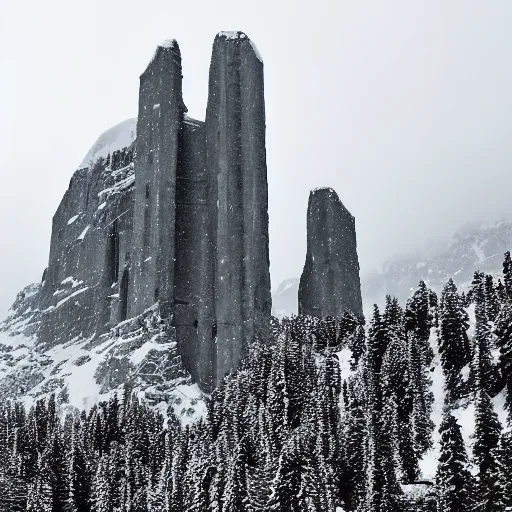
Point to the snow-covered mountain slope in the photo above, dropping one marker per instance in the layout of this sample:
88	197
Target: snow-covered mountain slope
464	412
118	137
67	335
284	300
140	352
471	248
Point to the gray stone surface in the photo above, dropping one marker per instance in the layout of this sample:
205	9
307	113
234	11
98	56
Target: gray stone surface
236	158
90	243
161	110
193	311
330	283
176	225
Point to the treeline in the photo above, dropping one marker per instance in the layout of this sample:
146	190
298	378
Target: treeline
288	432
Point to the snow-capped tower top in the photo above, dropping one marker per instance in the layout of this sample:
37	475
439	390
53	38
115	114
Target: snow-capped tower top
238	37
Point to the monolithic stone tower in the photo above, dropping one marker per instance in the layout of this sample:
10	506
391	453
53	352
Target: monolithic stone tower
200	242
330	283
236	159
161	111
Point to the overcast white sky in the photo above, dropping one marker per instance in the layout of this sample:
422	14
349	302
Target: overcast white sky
404	107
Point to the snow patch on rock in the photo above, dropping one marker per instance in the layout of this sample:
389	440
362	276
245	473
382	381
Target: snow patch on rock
118	137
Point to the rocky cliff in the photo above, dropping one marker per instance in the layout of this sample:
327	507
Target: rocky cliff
330	285
158	274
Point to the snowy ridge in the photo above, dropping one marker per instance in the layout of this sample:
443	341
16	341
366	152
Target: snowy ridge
478	247
118	137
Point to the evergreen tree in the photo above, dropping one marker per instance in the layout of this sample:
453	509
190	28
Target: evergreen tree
79	474
355	438
454	345
503	334
483	365
507	274
419	320
475	293
357	345
487	435
501	292
396	387
453	479
492	302
504	471
420	424
40	497
101	496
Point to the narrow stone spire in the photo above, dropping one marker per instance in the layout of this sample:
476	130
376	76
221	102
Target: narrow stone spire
236	159
330	283
161	110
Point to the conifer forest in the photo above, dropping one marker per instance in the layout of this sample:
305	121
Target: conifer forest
291	430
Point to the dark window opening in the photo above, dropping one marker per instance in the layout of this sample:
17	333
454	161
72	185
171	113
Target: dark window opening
157	293
114	253
147	219
196	323
123	295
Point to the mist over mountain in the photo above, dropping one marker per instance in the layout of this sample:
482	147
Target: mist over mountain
473	247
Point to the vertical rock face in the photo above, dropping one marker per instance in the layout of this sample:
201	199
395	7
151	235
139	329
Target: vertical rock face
90	243
176	224
161	110
193	310
330	283
236	159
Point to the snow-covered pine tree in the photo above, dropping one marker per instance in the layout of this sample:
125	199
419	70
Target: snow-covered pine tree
419	320
475	292
483	367
56	455
454	347
503	337
393	313
487	435
396	384
453	479
377	343
418	385
40	498
507	274
357	345
79	477
354	445
492	302
501	293
382	489
504	471
101	492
